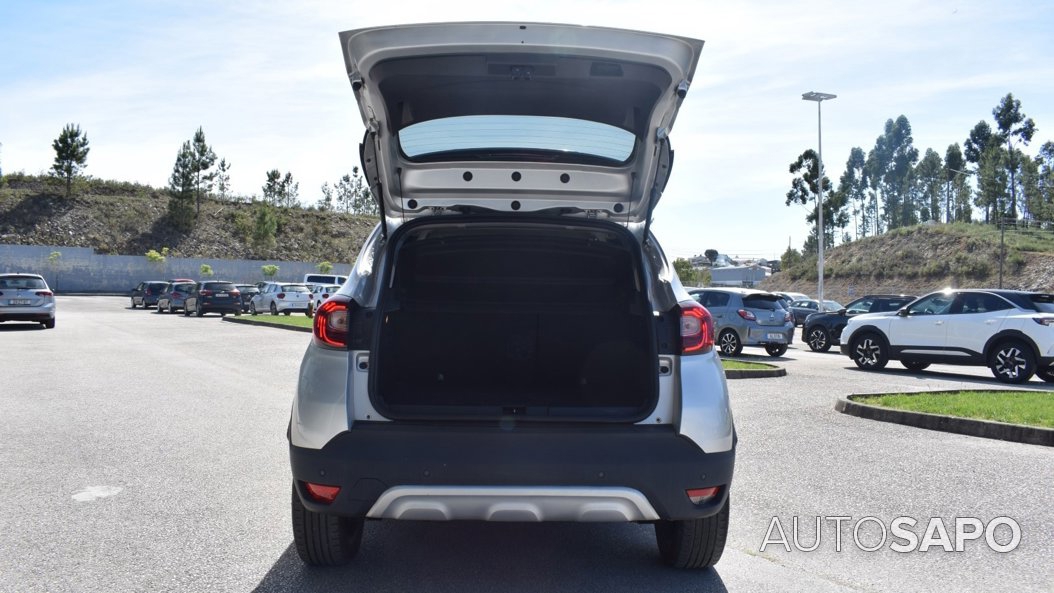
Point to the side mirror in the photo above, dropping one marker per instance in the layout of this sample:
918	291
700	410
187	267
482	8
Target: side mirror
902	312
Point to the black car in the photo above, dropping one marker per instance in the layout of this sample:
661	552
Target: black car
248	292
146	293
821	330
213	296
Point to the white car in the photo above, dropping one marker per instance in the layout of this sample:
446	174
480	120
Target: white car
1006	330
319	293
512	343
281	297
26	297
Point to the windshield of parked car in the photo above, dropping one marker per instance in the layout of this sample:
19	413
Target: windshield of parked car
22	282
499	137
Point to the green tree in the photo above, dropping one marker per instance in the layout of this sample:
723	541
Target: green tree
929	181
324	267
269	270
790	258
326	203
223	179
711	254
992	183
281	191
203	160
853	189
1014	128
889	169
71	154
265	227
181	189
805	190
206	271
53	264
353	196
957	190
685	272
976	145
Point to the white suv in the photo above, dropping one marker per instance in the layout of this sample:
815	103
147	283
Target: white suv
1008	331
512	343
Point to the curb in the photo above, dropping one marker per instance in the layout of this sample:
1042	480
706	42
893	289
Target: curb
755	373
265	324
1016	433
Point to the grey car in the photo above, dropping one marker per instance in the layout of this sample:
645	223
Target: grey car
26	297
746	317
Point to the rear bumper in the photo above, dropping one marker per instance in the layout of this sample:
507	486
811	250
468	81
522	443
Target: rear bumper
540	473
44	313
293	307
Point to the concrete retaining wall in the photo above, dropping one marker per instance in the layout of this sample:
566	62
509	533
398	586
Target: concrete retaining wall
80	269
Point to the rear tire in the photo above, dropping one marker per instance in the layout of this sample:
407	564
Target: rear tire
324	540
171	309
274	309
695	543
198	311
914	365
287	313
818	339
1012	362
729	344
49	324
869	352
776	350
133	304
252	309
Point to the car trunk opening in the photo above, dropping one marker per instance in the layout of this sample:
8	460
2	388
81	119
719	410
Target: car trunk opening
537	320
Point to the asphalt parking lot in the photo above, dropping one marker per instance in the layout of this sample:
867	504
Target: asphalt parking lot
145	452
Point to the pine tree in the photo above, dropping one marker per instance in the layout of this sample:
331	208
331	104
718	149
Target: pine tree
203	160
223	179
181	186
71	154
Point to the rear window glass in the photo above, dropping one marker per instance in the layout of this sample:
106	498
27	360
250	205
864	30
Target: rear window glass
1043	302
501	133
768	303
158	285
294	288
219	286
22	282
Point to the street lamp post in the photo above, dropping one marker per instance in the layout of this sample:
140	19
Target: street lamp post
819	98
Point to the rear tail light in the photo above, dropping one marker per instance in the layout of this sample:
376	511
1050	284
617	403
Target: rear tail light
332	321
281	295
205	293
42	293
1047	321
235	293
321	492
747	315
788	317
697	328
701	495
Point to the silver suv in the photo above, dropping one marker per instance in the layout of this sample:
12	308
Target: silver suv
746	317
512	343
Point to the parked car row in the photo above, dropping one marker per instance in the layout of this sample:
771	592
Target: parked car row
1008	331
223	297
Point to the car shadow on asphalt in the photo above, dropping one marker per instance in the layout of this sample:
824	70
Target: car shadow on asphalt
20	327
480	556
987	383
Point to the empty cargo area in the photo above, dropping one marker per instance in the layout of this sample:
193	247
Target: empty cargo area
541	320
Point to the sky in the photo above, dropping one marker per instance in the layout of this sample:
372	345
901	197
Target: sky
266	82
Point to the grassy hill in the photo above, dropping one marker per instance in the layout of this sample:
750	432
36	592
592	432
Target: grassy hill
924	258
130	219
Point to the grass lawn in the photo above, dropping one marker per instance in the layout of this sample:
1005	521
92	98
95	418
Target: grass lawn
1033	408
295	319
738	365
